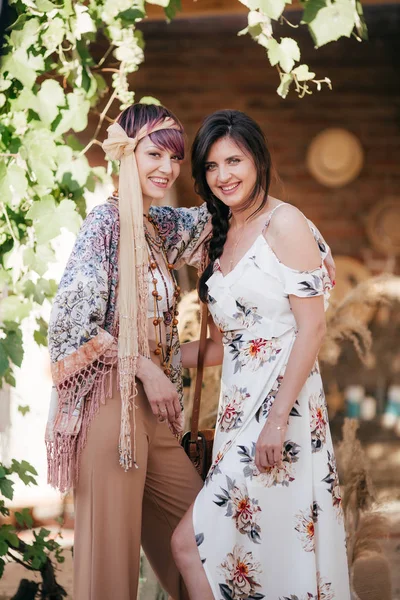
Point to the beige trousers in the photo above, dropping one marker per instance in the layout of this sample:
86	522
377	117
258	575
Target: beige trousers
117	511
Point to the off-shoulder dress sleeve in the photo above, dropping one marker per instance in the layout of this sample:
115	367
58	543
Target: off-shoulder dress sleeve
305	284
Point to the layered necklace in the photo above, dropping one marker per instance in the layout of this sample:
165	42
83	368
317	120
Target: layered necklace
168	317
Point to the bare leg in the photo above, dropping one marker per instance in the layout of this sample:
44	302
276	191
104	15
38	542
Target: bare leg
187	558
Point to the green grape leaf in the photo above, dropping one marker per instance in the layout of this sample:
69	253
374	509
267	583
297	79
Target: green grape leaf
3	545
39	148
83	22
14	308
284	53
284	86
8	534
54	34
22	66
27	36
76	115
272	8
173	7
40	335
25	471
311	9
6	488
163	3
44	288
48	218
13	184
4	362
333	22
12	345
74	174
24	410
38	260
50	97
9	378
46	6
149	100
68	217
303	73
5	84
131	15
73	142
24	518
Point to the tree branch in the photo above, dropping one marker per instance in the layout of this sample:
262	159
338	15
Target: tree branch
99	124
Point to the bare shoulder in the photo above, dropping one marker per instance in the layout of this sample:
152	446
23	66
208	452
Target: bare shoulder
292	240
287	218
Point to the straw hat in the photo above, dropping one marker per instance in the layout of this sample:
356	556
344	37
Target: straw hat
335	157
349	273
383	226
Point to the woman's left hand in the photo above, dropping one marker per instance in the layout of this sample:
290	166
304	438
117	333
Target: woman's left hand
270	445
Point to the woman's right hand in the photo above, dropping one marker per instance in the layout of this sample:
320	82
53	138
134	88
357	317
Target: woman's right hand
160	391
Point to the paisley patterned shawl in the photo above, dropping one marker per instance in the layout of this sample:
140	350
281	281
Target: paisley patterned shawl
83	329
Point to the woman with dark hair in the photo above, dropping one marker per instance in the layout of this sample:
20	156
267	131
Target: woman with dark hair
268	522
116	415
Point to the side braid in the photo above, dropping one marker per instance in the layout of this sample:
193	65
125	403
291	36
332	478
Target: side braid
220	226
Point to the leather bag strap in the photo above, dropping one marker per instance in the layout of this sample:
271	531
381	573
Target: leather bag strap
194	431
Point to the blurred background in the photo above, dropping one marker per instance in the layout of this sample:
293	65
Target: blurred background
336	155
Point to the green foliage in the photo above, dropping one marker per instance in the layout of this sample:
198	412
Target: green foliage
327	21
35	555
51	77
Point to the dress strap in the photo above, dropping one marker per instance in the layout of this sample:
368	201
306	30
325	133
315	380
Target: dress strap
268	221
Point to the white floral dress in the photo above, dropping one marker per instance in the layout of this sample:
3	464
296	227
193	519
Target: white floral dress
278	534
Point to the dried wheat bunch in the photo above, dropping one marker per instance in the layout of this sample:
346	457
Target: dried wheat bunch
349	319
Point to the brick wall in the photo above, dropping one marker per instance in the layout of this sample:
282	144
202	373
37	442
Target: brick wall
197	66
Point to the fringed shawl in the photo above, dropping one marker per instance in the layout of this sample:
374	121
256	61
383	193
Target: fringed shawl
83	327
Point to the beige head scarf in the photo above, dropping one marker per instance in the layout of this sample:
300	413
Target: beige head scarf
133	269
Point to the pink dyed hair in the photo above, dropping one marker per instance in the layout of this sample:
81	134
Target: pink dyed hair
136	116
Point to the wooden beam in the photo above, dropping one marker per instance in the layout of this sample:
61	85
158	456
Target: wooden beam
214	8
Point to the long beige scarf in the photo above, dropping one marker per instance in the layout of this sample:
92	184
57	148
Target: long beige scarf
133	268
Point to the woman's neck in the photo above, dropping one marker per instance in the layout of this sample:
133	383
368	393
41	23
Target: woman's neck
239	218
147	202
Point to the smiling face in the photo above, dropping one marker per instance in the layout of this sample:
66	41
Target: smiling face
230	173
158	169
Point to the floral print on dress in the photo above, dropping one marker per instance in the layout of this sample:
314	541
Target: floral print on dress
245	511
247	314
256	354
253	354
241	572
332	479
318	420
265	407
305	526
231	412
272	476
313	286
324	592
315	370
215	468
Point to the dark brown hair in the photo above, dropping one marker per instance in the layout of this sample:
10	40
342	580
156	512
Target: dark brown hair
247	134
